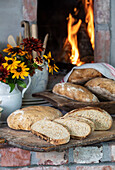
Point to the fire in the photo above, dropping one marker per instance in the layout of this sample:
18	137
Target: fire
90	20
72	38
73	29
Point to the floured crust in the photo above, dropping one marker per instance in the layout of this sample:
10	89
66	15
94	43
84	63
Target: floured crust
103	87
51	132
75	92
24	118
80	76
101	119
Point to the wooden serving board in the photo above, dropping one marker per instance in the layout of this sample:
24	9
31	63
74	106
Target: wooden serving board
26	140
69	104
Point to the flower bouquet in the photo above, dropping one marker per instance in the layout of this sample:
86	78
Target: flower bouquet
19	62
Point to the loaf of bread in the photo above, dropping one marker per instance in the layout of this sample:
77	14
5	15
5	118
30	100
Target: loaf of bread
104	88
50	131
24	118
81	119
76	128
80	76
101	119
75	92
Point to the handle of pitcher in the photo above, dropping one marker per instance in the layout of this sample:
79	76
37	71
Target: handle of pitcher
29	82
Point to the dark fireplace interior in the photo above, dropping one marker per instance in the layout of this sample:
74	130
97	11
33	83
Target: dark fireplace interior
53	19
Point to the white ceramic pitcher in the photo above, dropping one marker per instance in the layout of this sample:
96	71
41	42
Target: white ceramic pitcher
11	101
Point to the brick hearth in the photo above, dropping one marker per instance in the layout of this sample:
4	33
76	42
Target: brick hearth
99	157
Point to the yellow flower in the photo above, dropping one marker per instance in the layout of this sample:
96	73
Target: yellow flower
51	63
14	50
11	63
48	56
21	71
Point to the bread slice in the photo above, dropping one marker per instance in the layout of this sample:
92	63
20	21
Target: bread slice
76	128
81	119
22	119
50	131
101	119
75	92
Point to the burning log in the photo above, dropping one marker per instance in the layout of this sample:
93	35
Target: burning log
84	44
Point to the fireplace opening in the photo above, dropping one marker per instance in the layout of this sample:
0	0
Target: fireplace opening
70	25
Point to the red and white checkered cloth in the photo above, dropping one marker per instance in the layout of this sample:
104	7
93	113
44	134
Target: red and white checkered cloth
105	69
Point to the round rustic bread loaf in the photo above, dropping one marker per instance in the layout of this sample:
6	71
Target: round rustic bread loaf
101	118
80	76
75	92
104	88
24	118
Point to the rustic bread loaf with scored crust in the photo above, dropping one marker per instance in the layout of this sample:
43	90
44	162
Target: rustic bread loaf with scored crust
101	119
24	118
103	87
80	76
76	128
75	92
81	119
50	131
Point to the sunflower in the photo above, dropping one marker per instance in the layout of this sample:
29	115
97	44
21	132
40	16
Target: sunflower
21	71
11	63
3	74
51	63
14	50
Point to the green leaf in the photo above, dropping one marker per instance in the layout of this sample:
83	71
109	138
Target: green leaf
21	83
12	86
35	65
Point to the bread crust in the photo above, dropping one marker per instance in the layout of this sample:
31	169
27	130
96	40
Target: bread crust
80	76
22	119
104	88
49	140
101	119
75	92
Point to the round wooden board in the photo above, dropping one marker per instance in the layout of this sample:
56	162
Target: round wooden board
26	140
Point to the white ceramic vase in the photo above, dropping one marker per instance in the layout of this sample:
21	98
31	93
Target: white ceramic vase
10	101
38	82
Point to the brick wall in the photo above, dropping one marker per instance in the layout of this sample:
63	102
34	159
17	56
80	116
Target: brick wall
98	157
102	30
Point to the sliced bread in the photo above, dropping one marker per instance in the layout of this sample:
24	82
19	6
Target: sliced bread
23	118
76	128
101	119
81	119
50	131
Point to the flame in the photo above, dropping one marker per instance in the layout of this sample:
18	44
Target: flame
72	38
90	20
73	29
